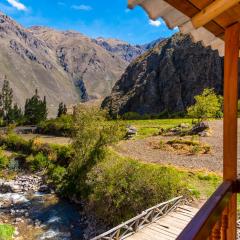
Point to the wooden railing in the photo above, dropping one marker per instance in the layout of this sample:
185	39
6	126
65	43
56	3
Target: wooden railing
133	225
211	222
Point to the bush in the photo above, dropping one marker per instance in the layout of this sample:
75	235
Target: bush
208	105
37	162
126	187
93	132
56	176
131	116
61	126
6	232
4	161
15	143
56	153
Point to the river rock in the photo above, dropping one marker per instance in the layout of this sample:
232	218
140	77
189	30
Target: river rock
44	189
200	127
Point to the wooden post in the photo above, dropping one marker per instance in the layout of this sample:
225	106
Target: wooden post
232	36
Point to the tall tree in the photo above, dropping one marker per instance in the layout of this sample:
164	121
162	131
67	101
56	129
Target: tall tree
62	109
14	115
6	98
35	109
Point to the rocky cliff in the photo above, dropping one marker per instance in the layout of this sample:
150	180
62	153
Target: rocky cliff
166	78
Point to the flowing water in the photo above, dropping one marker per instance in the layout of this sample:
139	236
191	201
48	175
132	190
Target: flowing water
39	216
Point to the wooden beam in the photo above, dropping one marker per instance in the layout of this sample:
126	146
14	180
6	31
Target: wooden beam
232	35
211	11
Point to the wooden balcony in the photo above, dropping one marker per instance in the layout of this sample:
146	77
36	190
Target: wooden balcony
211	222
215	23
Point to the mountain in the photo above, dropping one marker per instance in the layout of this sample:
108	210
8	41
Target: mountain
125	50
63	65
85	61
166	78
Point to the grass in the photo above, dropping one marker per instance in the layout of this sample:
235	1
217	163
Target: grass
6	232
186	146
147	128
202	183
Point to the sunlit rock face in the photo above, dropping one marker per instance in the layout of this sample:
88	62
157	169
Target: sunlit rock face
166	78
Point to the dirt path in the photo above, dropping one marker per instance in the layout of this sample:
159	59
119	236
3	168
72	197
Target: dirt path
142	150
48	139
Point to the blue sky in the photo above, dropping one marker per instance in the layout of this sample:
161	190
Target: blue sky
105	18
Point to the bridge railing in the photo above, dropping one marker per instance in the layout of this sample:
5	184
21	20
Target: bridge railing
146	217
211	221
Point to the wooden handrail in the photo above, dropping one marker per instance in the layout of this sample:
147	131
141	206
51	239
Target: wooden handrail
204	221
146	217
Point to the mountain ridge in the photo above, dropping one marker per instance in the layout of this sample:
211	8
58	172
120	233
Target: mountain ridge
166	78
64	65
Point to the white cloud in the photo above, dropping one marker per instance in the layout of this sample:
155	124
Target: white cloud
82	7
155	23
18	5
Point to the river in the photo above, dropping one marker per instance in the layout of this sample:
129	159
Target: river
39	215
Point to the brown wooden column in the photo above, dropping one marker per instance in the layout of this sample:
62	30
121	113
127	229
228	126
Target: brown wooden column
232	36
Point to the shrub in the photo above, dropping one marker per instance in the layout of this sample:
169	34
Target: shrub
56	176
15	143
208	105
37	162
131	116
61	126
13	165
4	161
125	187
93	132
6	232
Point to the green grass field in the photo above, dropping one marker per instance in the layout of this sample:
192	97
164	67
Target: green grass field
147	128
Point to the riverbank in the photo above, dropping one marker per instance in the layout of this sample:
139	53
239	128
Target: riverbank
36	212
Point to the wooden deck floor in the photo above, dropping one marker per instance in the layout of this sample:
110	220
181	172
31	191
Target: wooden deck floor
168	227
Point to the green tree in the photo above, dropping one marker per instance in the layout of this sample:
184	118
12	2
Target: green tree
15	115
35	109
207	105
62	109
92	133
6	98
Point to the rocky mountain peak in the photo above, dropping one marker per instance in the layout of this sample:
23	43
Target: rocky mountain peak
166	78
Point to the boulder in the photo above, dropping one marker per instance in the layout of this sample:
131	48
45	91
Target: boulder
200	127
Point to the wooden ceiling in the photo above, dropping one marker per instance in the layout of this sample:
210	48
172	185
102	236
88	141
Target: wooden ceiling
182	13
218	25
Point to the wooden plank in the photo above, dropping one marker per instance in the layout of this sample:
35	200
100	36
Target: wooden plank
185	212
192	209
172	221
157	236
189	214
170	230
161	231
232	45
180	216
212	11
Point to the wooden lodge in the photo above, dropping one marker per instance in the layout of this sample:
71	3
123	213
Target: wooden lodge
216	23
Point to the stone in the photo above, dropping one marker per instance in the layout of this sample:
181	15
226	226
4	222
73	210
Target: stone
199	127
44	189
184	125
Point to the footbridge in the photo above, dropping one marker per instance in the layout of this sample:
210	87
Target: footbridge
164	221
